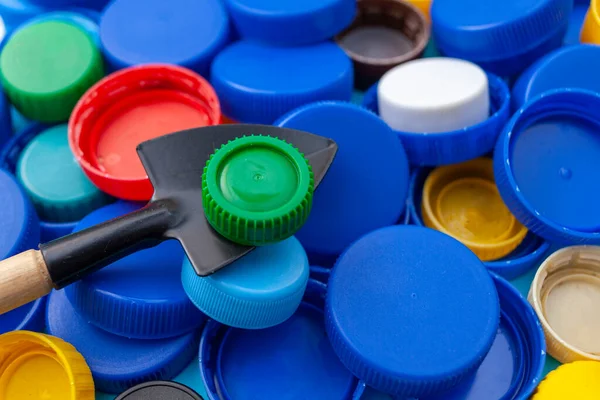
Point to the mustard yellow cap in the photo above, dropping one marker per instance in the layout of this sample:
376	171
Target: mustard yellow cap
565	294
590	31
462	201
579	380
38	366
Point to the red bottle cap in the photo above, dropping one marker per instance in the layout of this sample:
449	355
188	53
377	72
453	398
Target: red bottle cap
129	107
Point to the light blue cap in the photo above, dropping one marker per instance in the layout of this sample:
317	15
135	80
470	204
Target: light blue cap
291	23
53	179
188	33
503	37
411	311
260	290
257	83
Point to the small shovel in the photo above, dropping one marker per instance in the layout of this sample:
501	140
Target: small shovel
174	163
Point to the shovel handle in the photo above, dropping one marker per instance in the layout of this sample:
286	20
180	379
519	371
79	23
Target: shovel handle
23	278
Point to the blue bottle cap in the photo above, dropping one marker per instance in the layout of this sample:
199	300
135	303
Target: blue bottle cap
92	4
5	120
294	358
568	67
459	145
53	179
188	33
260	290
526	256
258	84
9	157
29	317
546	166
365	187
504	37
320	274
139	296
19	224
83	18
434	317
514	365
293	23
580	9
19	122
118	363
15	12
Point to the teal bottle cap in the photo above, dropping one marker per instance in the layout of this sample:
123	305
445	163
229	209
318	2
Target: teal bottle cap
260	290
54	180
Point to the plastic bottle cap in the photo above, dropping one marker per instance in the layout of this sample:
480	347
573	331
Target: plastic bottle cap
164	32
553	192
129	107
385	33
260	290
29	317
515	364
579	380
569	280
435	300
253	88
567	67
434	95
160	390
293	23
83	18
257	190
105	352
502	37
20	226
5	121
459	145
358	194
40	366
54	181
294	358
139	296
46	67
576	20
590	31
526	256
462	201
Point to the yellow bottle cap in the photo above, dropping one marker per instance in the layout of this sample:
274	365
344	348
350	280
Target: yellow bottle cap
579	380
38	366
590	31
423	5
565	294
462	201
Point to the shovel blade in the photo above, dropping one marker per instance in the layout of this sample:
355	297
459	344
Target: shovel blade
174	163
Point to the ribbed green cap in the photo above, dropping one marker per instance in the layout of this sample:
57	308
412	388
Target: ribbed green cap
46	67
257	190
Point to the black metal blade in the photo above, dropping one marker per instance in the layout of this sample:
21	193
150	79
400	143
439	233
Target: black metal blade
174	163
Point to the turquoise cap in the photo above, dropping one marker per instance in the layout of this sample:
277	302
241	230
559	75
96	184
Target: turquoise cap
260	290
57	186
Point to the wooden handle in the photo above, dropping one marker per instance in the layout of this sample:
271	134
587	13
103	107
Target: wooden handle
23	278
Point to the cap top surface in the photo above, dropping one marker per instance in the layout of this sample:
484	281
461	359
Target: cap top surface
577	380
160	390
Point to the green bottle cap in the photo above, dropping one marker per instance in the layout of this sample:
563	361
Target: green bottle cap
257	190
54	180
46	67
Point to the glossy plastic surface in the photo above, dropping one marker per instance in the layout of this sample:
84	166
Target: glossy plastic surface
188	33
456	146
260	290
293	23
257	83
293	358
552	192
503	37
434	300
139	296
30	317
367	184
105	352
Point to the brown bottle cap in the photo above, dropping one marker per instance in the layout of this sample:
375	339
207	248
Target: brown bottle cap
385	33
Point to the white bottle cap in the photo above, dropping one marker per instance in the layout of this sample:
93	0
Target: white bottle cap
434	95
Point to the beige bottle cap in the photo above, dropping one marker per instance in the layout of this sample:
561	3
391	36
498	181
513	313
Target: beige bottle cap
565	294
